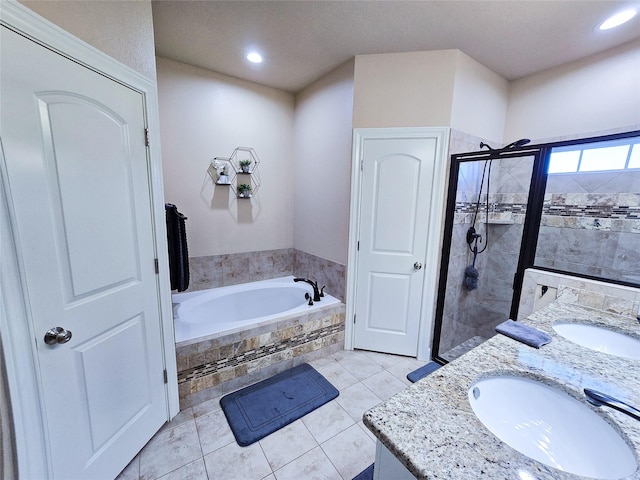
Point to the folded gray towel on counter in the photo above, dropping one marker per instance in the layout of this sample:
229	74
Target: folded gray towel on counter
523	333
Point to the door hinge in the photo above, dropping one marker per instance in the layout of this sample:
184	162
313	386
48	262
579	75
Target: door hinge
147	142
358	246
354	318
156	266
166	378
362	164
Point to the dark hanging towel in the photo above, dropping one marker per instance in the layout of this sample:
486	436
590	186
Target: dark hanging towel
178	254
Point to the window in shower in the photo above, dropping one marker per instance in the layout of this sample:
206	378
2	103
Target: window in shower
618	154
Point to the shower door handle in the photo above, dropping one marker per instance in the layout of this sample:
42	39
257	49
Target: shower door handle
417	265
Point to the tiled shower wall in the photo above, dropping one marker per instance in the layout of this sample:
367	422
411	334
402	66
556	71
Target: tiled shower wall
469	314
591	225
235	268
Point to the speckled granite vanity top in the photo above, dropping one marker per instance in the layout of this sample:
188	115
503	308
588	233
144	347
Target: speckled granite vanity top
431	428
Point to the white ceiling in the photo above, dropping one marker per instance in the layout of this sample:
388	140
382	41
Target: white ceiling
303	40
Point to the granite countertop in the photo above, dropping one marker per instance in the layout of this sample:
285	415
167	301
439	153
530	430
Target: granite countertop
431	428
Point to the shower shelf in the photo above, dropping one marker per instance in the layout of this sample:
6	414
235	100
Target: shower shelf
500	218
500	222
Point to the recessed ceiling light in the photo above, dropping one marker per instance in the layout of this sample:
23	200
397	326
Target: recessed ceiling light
254	57
618	19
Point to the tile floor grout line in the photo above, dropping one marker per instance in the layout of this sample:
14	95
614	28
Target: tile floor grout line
206	470
273	472
266	458
177	468
200	443
333	464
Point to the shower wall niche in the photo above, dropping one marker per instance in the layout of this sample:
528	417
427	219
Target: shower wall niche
496	207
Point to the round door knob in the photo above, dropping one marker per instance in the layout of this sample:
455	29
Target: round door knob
57	335
417	265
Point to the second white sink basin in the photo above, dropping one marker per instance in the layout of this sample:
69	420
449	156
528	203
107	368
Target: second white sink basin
600	339
551	427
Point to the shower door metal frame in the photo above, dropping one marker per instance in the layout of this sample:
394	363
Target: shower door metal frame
529	232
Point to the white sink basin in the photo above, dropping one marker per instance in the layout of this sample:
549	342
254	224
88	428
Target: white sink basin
600	339
551	427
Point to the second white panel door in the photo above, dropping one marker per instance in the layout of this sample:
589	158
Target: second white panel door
397	177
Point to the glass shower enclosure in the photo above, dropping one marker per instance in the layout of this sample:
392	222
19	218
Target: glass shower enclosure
487	245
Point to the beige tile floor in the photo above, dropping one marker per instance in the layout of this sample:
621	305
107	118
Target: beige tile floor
326	444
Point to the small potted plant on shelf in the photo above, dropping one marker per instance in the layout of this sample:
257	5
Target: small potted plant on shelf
244	165
244	190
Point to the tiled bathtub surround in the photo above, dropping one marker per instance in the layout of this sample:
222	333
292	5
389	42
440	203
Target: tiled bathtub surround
321	270
234	268
212	366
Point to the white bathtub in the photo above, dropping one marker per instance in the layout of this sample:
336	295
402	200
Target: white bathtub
225	310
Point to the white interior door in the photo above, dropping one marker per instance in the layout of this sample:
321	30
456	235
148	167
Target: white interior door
74	148
397	176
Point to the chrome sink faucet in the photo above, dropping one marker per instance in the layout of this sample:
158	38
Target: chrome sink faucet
317	293
599	399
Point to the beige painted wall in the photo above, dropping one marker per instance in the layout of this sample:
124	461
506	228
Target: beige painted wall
429	89
596	94
121	29
322	154
205	115
404	89
479	100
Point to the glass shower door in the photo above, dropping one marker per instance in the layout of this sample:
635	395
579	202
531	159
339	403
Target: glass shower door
484	231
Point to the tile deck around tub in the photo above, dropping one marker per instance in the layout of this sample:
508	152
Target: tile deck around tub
330	442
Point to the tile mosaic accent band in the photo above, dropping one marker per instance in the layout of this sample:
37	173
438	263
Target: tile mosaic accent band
600	211
611	212
467	207
508	212
593	211
603	205
254	354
